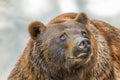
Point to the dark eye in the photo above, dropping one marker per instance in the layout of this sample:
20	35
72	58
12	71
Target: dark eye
84	33
63	37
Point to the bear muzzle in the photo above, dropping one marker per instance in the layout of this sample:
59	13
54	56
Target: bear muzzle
82	49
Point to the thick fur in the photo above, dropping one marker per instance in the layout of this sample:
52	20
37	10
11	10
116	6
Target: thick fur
104	64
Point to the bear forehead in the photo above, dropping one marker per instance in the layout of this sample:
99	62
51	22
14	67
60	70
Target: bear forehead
69	26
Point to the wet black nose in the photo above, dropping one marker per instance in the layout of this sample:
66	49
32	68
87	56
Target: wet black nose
84	43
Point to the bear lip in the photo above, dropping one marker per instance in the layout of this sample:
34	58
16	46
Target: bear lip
82	55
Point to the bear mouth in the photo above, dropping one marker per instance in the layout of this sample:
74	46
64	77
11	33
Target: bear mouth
84	54
80	56
80	60
81	53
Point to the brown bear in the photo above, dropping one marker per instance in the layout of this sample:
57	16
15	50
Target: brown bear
70	47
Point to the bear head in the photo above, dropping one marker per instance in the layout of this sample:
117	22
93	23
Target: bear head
62	46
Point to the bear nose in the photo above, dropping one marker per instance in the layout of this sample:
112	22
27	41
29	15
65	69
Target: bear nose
83	43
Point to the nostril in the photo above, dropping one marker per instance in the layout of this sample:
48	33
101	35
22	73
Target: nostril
83	43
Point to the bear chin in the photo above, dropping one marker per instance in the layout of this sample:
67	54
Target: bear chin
77	62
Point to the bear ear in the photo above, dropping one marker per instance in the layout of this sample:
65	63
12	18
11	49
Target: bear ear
82	18
35	28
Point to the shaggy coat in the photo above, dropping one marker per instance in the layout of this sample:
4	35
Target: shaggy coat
104	64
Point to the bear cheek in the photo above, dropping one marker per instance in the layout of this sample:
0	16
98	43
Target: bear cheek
57	52
69	48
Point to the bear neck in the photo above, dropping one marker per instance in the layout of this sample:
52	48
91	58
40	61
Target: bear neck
102	69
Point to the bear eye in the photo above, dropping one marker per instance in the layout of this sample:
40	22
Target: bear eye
84	33
63	37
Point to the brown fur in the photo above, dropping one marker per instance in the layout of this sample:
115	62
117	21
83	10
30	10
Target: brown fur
103	65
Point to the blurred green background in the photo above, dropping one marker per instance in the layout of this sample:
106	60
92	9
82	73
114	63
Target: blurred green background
15	15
